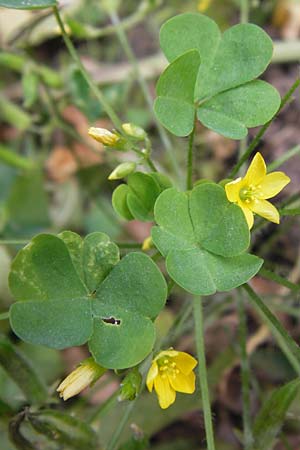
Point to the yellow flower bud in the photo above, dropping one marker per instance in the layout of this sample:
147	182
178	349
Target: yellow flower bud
87	373
147	244
122	170
104	136
134	131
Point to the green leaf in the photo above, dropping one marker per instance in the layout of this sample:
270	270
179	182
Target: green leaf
119	202
203	237
272	415
174	106
57	324
134	284
227	102
232	112
28	4
124	342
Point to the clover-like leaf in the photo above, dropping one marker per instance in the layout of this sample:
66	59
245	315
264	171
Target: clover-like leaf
203	237
136	199
72	290
174	105
226	99
28	4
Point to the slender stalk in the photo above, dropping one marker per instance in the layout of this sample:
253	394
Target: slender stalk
245	374
189	168
289	211
286	342
144	87
202	372
98	94
285	157
265	273
129	244
4	315
14	241
115	438
104	407
262	131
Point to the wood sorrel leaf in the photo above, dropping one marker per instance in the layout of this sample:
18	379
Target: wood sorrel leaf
73	290
228	102
175	89
203	239
28	4
136	199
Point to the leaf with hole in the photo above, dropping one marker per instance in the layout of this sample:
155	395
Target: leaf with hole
70	291
204	238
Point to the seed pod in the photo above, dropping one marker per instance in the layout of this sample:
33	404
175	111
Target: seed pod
122	170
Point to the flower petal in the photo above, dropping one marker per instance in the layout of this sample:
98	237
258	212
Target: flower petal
152	374
165	392
273	183
248	214
185	362
183	383
233	188
266	210
256	171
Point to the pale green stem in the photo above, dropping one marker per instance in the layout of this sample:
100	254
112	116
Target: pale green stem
4	316
245	373
265	273
14	241
202	372
284	158
189	168
144	87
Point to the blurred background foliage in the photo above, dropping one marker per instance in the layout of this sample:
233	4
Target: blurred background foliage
54	177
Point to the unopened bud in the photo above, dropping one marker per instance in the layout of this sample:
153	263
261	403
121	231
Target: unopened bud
104	136
147	244
131	385
122	170
86	374
134	131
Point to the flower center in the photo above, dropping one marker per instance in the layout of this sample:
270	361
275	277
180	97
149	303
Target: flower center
167	367
250	193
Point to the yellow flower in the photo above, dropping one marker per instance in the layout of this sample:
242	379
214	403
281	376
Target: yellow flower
104	136
87	373
171	371
252	191
203	5
147	244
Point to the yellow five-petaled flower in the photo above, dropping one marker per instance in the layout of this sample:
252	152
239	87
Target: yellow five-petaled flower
171	371
252	191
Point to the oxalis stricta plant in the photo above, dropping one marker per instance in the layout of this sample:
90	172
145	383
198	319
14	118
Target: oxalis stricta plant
71	290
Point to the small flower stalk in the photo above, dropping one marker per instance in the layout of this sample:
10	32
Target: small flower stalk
171	371
86	374
253	190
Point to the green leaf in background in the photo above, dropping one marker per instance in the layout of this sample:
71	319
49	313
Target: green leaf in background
272	415
175	89
73	290
28	4
203	239
136	199
228	102
232	112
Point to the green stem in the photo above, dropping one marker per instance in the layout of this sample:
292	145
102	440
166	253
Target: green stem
245	374
202	372
189	171
144	87
14	241
244	8
262	131
265	273
104	407
284	158
286	342
289	211
98	94
4	315
129	244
